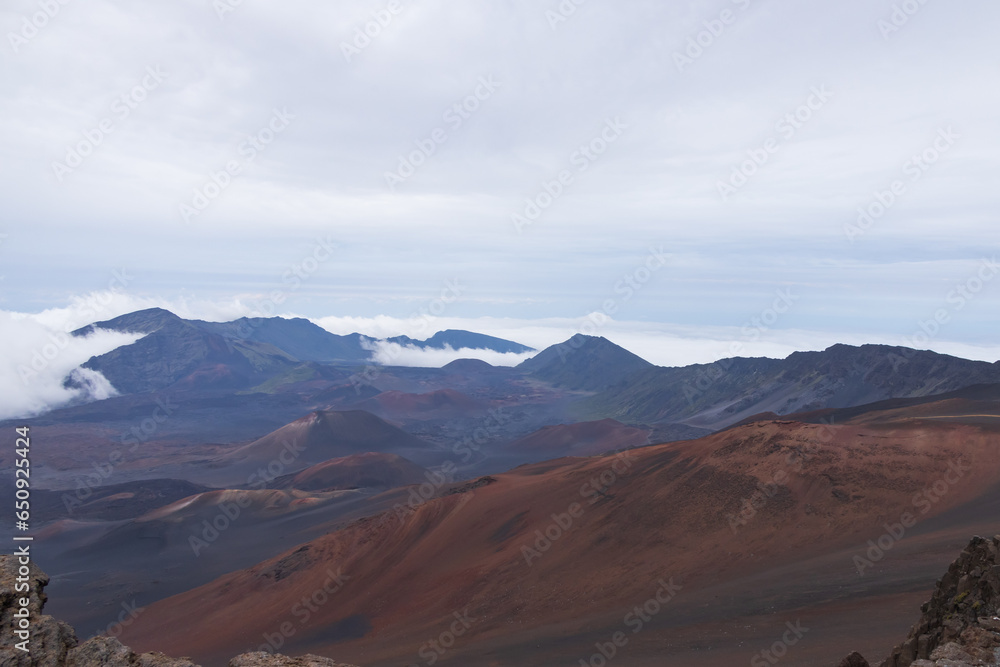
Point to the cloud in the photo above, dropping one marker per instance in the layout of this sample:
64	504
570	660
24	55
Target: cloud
38	359
39	355
664	344
394	354
103	305
325	174
92	384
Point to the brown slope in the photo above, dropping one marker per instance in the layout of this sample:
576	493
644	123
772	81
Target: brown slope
253	505
166	531
670	514
580	439
954	410
197	539
114	502
53	643
369	470
974	404
318	437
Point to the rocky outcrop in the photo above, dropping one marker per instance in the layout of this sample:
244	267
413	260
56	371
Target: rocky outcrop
959	626
268	660
51	640
55	644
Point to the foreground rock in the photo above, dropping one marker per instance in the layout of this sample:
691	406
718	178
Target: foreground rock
268	660
959	626
54	643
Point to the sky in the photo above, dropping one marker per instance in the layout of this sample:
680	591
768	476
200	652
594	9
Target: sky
680	176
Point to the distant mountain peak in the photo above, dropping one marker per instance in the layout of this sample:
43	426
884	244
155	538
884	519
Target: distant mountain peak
468	365
459	339
584	362
141	321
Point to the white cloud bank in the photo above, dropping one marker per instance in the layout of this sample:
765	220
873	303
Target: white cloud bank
39	354
394	354
37	360
661	343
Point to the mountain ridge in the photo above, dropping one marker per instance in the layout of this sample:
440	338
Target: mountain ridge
239	354
729	390
586	363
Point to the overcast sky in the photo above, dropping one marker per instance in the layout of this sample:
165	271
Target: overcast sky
119	117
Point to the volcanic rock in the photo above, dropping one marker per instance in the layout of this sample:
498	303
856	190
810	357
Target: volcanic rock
53	643
959	626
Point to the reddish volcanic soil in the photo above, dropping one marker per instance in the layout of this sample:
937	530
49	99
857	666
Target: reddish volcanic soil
313	439
368	470
680	513
581	439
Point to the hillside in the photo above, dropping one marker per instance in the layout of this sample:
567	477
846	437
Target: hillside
717	395
323	435
242	353
358	471
177	351
550	556
297	337
580	439
54	643
585	363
